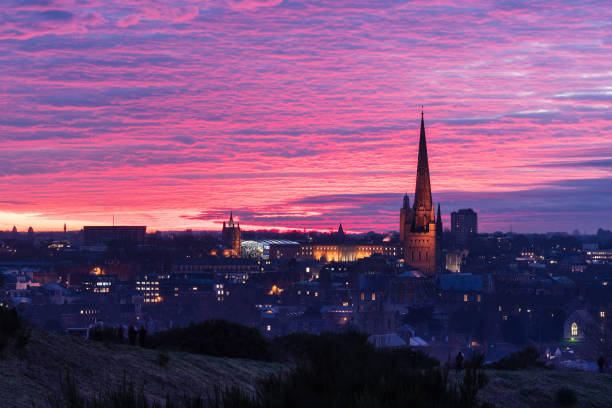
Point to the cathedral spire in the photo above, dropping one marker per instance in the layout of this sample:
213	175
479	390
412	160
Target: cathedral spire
422	195
439	219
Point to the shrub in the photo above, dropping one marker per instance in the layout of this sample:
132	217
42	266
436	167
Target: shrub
215	338
566	397
520	360
3	342
10	322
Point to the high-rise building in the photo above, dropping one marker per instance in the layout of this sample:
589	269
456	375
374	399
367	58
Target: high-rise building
230	235
464	225
420	228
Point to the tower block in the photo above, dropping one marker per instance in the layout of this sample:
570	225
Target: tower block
420	227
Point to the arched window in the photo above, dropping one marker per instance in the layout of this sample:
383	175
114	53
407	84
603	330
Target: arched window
574	329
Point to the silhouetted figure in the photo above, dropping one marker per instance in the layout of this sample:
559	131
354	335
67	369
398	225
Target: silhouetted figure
120	333
459	361
132	333
601	362
142	336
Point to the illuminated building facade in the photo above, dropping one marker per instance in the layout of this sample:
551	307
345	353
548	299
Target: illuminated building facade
346	252
420	228
230	235
342	251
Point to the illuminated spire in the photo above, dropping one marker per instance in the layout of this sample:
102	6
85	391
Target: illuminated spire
422	195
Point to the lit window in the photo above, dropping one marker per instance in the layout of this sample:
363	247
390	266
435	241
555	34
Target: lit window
602	314
465	297
478	298
373	296
574	329
268	327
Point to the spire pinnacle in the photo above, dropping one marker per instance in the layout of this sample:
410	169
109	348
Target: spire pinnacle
406	201
422	196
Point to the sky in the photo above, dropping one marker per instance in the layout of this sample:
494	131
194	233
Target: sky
304	114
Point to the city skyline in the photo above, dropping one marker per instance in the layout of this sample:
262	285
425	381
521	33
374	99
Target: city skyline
302	116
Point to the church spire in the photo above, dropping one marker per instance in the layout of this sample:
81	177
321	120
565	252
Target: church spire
422	195
439	219
406	202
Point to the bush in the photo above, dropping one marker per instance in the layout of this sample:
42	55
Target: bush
520	360
566	397
10	322
12	327
3	342
215	338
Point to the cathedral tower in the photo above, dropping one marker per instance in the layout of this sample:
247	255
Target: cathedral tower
231	237
420	228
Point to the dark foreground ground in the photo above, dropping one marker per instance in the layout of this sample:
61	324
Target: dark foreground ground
29	376
537	388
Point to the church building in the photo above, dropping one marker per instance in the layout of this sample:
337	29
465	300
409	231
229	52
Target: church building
420	228
231	237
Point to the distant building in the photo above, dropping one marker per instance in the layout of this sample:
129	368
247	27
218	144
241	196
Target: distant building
341	250
270	249
420	228
93	235
464	225
231	237
455	260
599	256
577	324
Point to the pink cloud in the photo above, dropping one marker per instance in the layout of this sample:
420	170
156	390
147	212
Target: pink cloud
184	108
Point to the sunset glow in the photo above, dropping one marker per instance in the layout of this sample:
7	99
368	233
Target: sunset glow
302	115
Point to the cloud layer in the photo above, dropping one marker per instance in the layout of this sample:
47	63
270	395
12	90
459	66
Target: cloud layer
303	114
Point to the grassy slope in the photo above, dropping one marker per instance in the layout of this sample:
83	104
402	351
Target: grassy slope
28	376
537	388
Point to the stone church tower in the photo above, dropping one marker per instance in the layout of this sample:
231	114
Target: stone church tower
230	235
420	228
